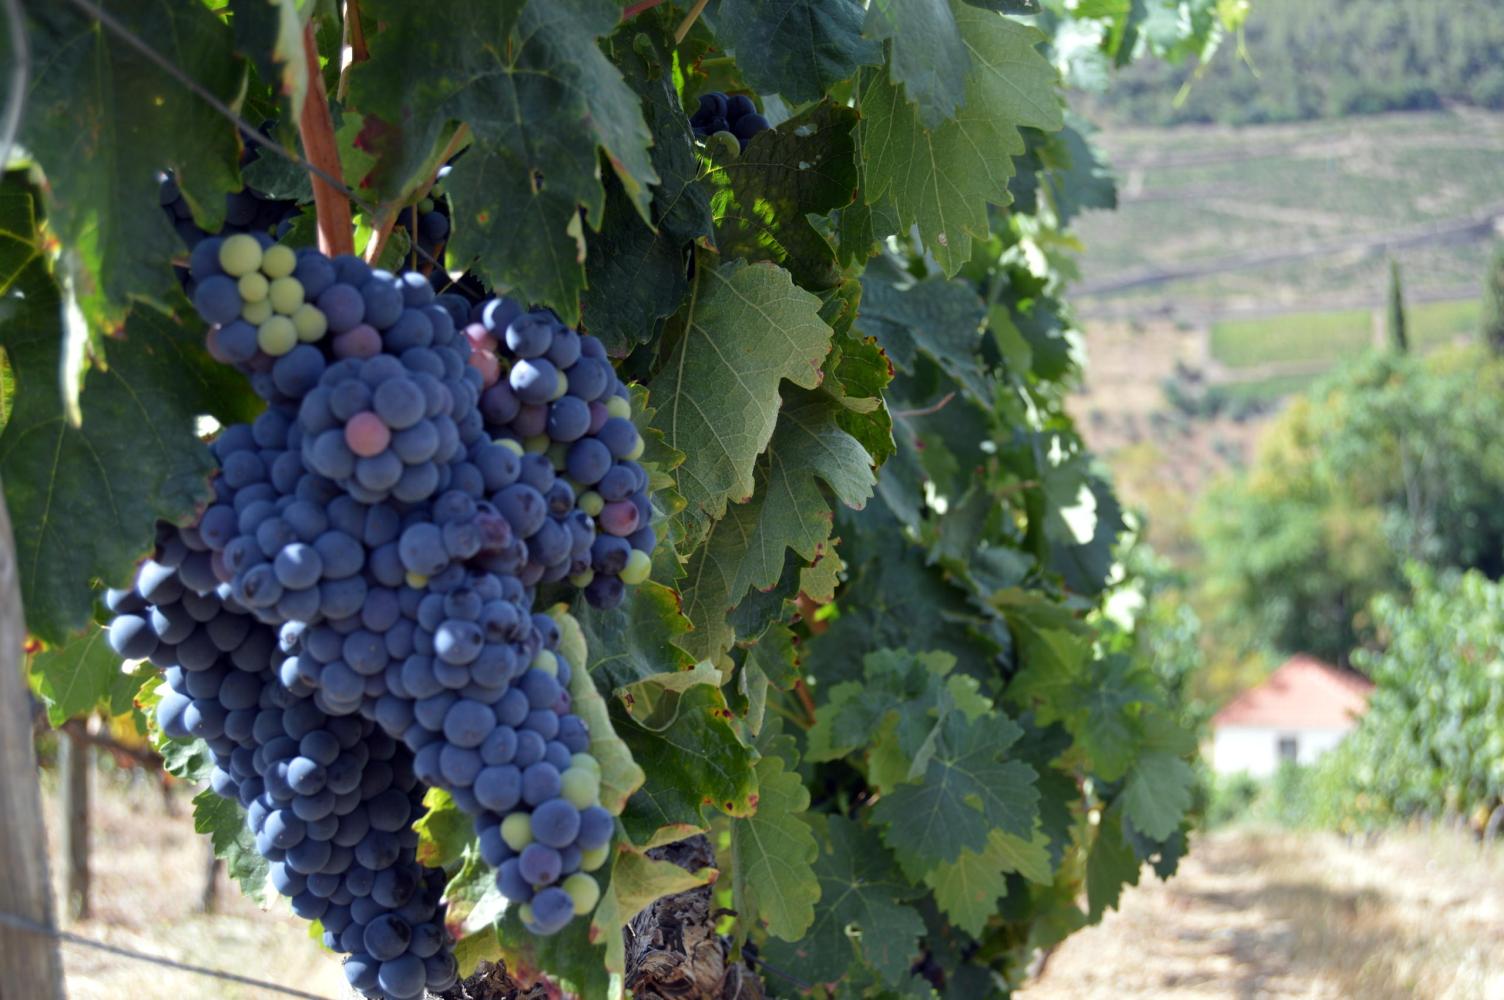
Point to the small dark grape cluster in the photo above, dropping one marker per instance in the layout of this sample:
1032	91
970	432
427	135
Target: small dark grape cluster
368	570
735	114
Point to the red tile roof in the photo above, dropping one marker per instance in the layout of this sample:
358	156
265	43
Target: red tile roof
1304	693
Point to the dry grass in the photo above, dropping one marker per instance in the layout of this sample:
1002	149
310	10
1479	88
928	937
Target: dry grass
1285	915
148	875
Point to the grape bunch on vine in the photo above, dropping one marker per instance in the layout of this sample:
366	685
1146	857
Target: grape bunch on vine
544	466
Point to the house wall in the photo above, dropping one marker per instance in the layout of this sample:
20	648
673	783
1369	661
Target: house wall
1255	749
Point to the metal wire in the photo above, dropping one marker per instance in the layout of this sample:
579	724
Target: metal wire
32	927
20	79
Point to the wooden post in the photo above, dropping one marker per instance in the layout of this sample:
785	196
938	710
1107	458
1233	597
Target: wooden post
208	900
30	966
75	767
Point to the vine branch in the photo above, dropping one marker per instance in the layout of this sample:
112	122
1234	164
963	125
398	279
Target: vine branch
316	127
689	21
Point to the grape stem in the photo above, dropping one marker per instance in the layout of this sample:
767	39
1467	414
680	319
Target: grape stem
316	127
935	407
386	220
632	10
689	21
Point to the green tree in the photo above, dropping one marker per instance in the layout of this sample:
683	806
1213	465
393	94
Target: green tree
1394	317
1492	319
1387	461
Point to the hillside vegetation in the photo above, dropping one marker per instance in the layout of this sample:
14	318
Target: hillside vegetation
1302	60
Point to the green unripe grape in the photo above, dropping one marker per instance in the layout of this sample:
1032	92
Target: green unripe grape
558	454
637	569
537	445
591	503
562	387
618	407
240	255
513	444
417	581
278	261
277	336
517	830
425	206
256	313
724	145
637	448
310	322
547	662
253	287
581	787
286	295
582	580
525	913
584	890
591	860
584	760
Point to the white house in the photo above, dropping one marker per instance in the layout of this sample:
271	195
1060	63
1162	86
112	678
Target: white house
1298	713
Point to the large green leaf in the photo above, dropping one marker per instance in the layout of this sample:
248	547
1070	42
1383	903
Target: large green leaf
942	177
860	914
966	791
747	328
78	677
638	273
85	500
224	821
637	641
772	855
104	121
941	319
928	58
796	48
692	758
1110	865
788	510
1158	793
620	774
540	98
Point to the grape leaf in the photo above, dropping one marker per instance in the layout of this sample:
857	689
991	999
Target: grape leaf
968	888
637	641
1110	865
860	909
224	821
474	906
692	761
788	510
85	500
103	121
620	773
637	274
941	178
540	102
966	791
1158	793
444	830
929	57
747	328
807	166
772	855
75	678
796	48
270	33
942	319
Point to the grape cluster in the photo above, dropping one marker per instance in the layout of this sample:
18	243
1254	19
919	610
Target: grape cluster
735	114
376	542
552	394
329	799
427	222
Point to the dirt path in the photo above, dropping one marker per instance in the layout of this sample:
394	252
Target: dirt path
1283	915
